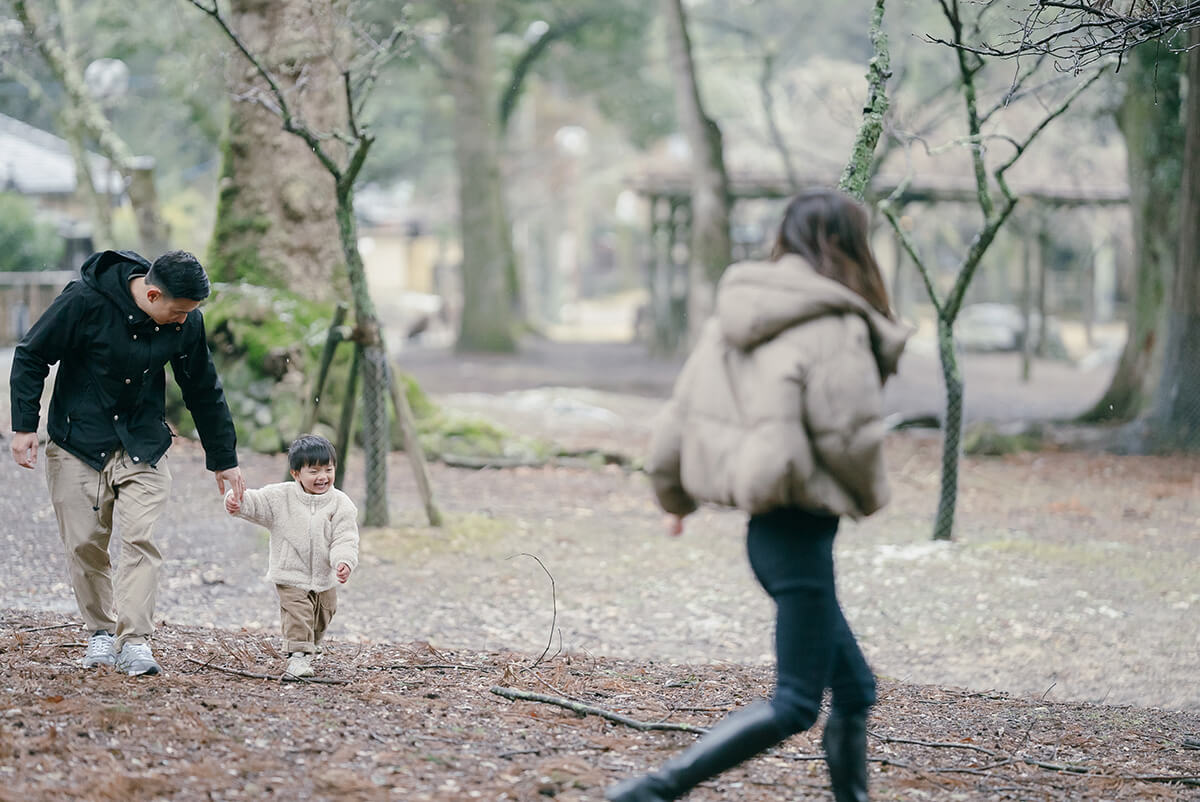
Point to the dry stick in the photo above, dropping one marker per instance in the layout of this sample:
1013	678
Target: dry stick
428	666
284	678
1184	779
43	629
1087	771
553	601
889	740
585	710
412	447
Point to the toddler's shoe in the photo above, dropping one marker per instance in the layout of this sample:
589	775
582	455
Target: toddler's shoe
299	664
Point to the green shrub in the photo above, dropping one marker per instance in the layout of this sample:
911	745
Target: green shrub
25	242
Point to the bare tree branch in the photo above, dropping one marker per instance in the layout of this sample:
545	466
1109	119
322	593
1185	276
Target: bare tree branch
1078	33
290	123
516	81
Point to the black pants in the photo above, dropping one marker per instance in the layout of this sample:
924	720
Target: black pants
791	552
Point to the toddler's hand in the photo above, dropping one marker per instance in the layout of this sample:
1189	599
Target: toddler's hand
231	504
343	572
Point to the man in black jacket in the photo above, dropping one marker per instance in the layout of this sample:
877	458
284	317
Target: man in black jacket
112	332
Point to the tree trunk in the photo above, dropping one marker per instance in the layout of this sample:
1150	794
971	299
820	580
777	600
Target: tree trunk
375	374
488	270
1176	416
857	173
952	427
711	250
143	197
276	213
99	200
1149	118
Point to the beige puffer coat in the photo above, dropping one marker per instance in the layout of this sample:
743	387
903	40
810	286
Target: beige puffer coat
779	403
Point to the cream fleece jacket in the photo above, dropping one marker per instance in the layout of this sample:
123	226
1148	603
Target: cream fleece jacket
310	534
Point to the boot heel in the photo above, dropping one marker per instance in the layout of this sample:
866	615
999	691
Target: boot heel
845	742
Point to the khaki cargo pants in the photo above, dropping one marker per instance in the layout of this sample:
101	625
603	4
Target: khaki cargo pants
87	503
305	615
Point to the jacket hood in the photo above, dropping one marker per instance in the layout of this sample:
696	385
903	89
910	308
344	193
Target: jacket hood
108	272
756	301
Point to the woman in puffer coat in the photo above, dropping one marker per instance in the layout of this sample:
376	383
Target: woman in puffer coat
777	413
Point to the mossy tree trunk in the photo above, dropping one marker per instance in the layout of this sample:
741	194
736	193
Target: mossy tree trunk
277	220
710	248
1175	421
488	264
857	173
374	363
1149	119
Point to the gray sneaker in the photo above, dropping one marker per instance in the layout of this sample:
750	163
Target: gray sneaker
99	650
136	659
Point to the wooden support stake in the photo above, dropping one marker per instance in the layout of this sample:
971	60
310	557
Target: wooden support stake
331	342
346	425
412	447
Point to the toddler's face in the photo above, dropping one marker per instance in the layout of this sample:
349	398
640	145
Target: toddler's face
315	479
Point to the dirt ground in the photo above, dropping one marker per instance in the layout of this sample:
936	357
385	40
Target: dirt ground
1067	606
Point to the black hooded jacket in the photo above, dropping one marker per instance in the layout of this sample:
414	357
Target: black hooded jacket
110	389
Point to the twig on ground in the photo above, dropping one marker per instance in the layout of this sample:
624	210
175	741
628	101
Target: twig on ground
553	602
430	666
43	629
285	677
585	710
1004	760
559	691
887	739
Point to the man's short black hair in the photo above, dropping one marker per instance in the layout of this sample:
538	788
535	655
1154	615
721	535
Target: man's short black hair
179	275
311	449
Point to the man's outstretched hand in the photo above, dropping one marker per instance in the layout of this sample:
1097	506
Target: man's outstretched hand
237	483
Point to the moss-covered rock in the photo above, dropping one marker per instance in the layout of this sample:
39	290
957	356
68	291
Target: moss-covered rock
267	344
990	440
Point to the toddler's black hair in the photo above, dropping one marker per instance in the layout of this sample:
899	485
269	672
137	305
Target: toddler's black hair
311	449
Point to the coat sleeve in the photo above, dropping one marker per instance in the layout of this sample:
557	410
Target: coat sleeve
343	546
664	462
52	336
843	402
256	508
205	397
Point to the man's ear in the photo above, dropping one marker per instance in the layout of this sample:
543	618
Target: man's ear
153	293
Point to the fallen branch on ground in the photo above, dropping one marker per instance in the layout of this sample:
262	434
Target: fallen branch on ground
431	666
588	710
42	629
285	677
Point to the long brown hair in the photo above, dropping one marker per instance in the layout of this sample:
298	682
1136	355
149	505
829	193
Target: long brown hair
829	230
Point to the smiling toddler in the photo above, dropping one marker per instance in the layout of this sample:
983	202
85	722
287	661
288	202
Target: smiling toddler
314	545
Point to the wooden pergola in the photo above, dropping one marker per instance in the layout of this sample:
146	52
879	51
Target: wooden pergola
669	196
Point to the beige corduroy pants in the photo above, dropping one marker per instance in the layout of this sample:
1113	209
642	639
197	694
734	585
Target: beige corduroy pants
305	615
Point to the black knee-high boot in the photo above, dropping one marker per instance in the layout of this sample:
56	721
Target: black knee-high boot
845	742
738	737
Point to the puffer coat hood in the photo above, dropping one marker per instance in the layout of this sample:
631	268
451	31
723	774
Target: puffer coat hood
756	301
